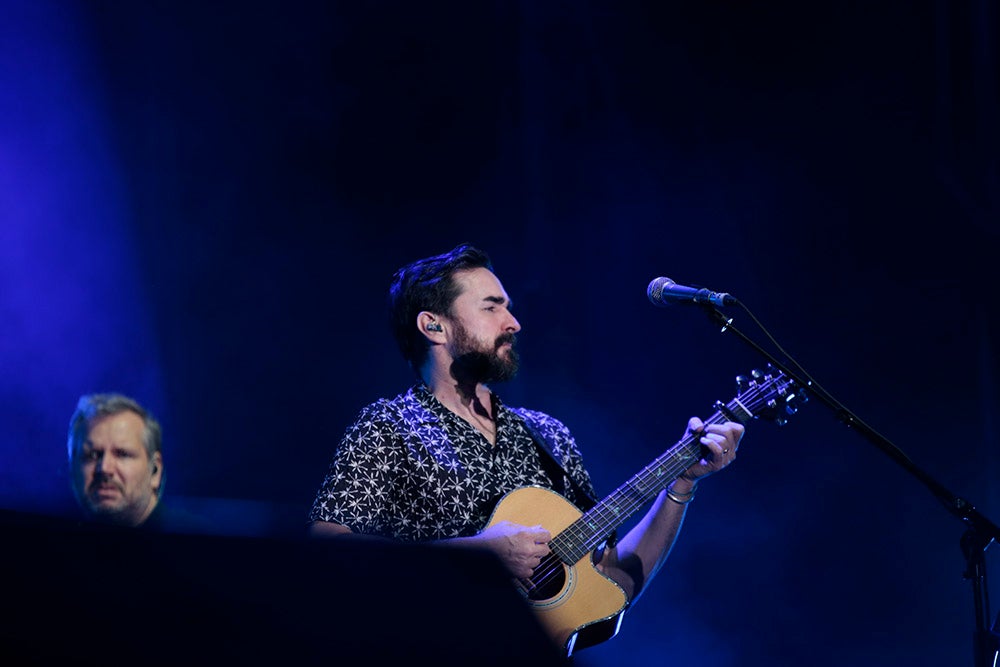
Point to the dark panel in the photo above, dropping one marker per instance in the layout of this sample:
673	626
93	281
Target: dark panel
83	593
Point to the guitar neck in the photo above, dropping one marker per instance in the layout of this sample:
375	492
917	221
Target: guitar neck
594	526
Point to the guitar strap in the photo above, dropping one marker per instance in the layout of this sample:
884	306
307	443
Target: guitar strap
585	500
558	472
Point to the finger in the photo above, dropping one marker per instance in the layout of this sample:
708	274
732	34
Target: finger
727	435
726	429
715	454
714	441
541	534
718	450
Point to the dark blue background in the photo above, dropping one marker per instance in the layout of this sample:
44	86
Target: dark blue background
202	204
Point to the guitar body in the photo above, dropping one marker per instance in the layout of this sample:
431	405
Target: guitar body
577	606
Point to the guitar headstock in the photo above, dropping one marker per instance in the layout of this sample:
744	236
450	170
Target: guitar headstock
769	394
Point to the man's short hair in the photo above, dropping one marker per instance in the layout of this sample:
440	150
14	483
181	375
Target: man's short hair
427	284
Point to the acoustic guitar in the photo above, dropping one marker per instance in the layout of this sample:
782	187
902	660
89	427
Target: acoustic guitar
577	605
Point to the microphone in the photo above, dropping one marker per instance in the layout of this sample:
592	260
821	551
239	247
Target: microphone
665	292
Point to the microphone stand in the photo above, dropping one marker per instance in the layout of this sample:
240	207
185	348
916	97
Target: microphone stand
980	532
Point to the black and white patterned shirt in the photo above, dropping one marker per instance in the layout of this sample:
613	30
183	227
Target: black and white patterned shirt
410	469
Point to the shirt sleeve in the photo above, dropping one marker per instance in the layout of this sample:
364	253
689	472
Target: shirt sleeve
359	482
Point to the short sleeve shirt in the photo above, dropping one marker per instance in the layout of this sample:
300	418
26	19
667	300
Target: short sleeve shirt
410	469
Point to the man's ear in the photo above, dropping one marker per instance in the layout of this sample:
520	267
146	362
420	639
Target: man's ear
429	324
156	470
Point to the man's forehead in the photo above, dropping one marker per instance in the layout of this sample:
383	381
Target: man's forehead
126	441
121	424
481	284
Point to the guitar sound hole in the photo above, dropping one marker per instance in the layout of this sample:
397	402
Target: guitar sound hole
548	579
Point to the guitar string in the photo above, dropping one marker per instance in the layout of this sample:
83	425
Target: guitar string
551	566
609	509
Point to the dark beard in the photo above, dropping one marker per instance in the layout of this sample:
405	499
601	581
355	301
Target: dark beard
476	366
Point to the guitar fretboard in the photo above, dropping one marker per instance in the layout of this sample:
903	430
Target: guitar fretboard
594	526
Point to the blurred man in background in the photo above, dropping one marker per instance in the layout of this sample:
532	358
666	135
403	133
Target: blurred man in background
116	461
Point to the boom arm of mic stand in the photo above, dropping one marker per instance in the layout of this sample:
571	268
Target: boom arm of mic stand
980	532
